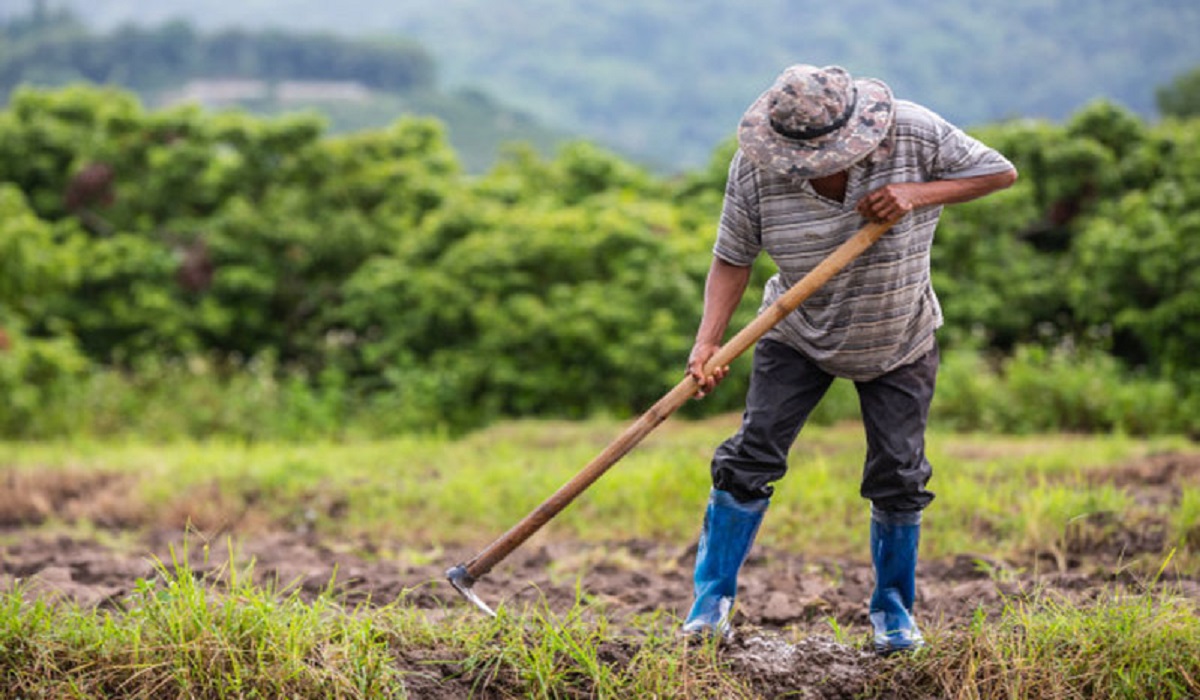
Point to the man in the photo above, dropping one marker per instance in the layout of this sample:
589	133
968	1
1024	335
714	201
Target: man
819	153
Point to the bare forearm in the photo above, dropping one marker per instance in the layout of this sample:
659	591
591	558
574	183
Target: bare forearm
722	292
895	200
963	190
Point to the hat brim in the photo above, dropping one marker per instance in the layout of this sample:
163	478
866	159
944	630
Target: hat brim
825	155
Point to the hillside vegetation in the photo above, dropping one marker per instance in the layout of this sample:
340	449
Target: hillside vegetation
292	283
353	83
667	81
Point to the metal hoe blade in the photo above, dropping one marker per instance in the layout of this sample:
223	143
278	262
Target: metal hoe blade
462	582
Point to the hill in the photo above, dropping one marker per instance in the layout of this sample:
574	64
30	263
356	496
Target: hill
667	81
354	83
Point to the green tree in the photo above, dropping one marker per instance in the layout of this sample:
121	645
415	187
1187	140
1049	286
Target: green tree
1135	260
38	261
1180	97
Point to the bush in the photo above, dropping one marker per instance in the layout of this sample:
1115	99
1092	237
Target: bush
1058	389
193	274
37	379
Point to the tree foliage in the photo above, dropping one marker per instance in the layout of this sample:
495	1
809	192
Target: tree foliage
55	49
164	63
370	266
667	81
1180	98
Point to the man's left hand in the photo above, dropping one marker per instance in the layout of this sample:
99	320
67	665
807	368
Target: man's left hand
890	202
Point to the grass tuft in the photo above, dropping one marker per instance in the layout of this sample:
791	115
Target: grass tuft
181	634
1122	646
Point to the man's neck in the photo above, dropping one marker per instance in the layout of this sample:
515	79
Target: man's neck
831	186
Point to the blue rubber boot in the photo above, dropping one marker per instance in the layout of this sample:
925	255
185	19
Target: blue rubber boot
894	540
729	530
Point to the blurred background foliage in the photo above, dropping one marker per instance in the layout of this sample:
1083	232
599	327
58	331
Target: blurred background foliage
354	83
174	271
665	82
657	81
180	273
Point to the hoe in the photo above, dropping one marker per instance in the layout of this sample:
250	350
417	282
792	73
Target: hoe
464	576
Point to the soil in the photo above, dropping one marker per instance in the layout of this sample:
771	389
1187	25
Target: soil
801	622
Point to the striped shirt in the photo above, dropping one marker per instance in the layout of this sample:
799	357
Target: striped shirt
880	312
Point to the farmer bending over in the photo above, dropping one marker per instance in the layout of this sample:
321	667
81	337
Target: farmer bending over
819	154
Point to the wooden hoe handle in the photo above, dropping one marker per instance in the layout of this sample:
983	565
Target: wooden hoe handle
483	562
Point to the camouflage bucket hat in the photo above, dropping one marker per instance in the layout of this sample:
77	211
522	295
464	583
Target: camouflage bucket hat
815	122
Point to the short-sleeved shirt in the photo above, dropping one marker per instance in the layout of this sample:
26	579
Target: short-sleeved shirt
880	312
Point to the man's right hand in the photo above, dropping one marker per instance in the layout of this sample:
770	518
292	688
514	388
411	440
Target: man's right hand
701	353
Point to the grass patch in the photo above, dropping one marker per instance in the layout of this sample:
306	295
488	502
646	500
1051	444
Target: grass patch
178	635
174	637
997	496
182	635
1122	646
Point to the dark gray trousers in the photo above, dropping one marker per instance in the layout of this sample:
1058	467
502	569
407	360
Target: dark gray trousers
785	387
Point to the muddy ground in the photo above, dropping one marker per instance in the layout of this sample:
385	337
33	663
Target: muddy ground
790	605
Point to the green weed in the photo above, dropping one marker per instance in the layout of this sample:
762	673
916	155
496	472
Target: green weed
178	635
1121	646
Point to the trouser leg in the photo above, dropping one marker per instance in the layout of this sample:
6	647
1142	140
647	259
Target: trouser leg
895	413
784	389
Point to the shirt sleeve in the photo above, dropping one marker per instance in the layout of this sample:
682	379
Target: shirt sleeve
960	155
739	235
